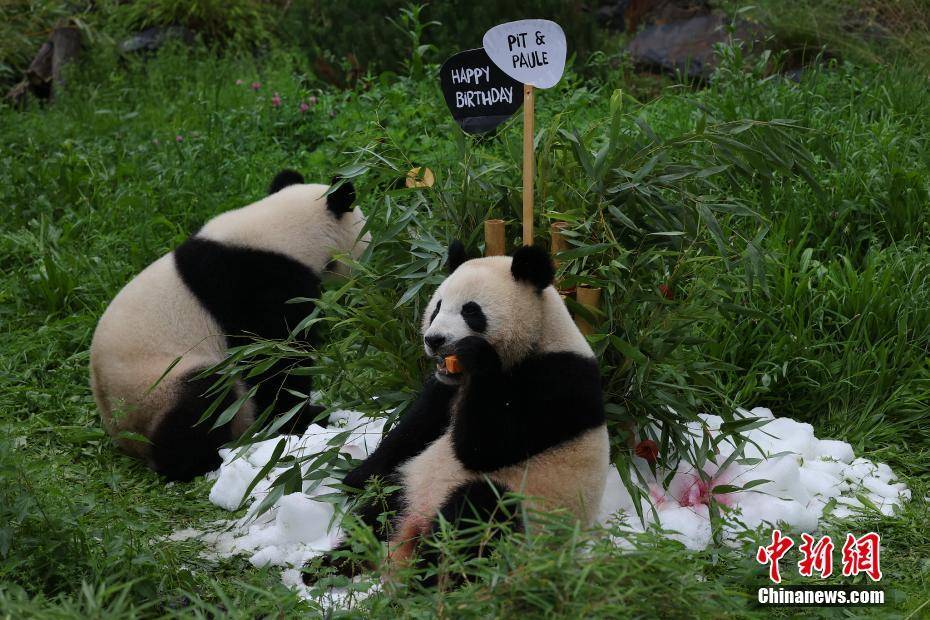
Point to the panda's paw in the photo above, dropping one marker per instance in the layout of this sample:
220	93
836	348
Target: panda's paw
477	356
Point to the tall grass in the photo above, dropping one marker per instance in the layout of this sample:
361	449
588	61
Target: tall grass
859	30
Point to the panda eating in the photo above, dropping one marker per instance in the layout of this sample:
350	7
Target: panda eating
523	415
229	282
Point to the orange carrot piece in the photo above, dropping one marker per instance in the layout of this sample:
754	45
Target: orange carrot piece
452	365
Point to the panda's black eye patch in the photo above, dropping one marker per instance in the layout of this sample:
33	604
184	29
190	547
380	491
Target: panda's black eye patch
435	312
474	317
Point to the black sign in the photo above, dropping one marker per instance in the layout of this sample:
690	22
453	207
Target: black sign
479	95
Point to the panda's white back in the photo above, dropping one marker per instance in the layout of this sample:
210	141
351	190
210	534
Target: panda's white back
151	322
286	222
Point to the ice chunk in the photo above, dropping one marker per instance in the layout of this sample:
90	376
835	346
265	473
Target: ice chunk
302	519
837	450
882	489
689	525
233	479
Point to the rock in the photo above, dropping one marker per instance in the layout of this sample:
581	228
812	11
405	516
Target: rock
631	14
153	38
687	46
611	16
653	12
795	75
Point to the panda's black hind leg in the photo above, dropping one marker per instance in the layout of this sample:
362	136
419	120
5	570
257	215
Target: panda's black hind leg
276	387
181	448
479	514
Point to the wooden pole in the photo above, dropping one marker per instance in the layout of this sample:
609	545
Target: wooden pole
528	163
494	238
589	298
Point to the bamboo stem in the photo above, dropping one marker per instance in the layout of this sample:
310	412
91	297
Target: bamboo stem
589	298
529	110
558	242
494	238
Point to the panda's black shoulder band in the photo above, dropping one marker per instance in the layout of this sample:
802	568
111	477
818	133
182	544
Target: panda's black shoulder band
284	179
341	199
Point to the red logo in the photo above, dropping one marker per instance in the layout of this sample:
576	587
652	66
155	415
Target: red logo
774	552
817	557
860	555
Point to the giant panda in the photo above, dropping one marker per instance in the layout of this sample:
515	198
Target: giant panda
524	415
227	283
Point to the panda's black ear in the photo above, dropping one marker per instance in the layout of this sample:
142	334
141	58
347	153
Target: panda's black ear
283	179
341	199
456	257
533	265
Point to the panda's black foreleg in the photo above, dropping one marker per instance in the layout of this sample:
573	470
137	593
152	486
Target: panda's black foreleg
421	425
478	513
505	417
489	428
181	448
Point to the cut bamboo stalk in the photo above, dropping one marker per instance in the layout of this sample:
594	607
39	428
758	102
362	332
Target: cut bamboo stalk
589	298
558	242
494	238
419	177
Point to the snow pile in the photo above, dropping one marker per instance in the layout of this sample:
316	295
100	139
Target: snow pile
807	479
299	525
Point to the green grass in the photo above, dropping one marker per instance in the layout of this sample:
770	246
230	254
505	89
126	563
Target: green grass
810	296
862	30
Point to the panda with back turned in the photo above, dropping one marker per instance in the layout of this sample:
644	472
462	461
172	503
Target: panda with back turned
524	415
227	284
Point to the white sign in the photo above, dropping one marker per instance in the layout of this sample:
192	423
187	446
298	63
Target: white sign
531	51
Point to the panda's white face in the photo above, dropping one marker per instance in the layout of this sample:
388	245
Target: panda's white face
482	298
